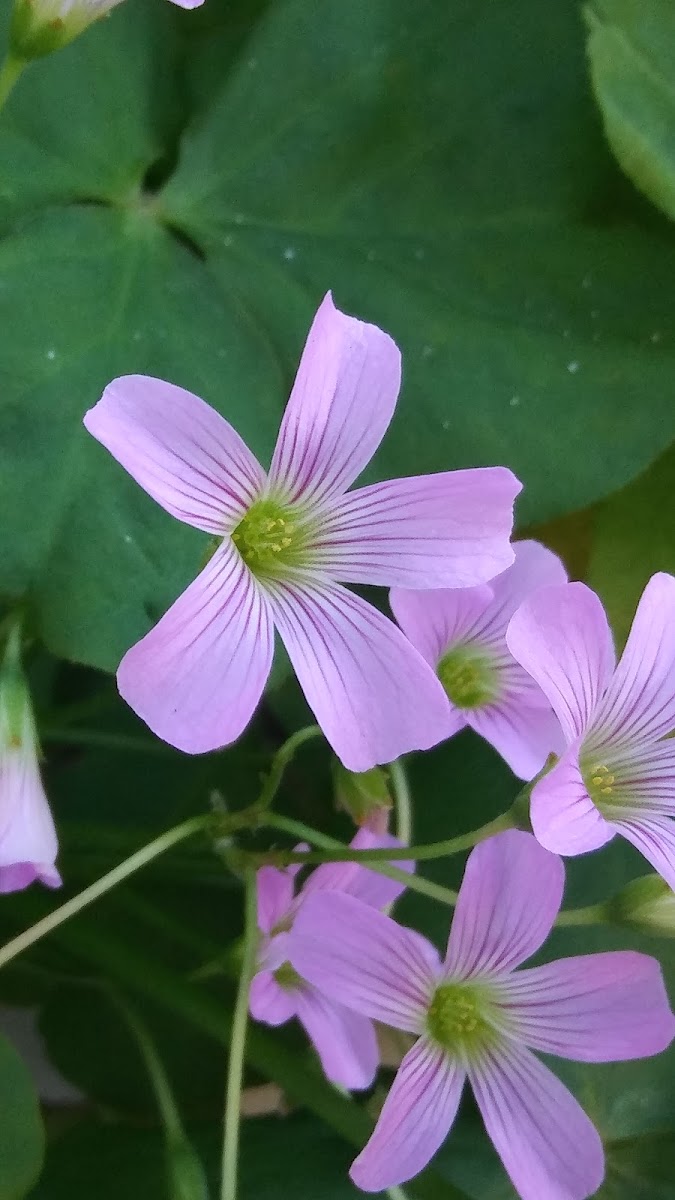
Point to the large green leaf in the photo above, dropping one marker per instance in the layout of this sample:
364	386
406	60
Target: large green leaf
631	49
99	559
21	1130
88	122
439	166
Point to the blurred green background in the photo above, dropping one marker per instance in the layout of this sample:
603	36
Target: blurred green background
493	183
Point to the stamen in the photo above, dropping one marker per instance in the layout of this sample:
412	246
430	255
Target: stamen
269	542
458	1016
469	677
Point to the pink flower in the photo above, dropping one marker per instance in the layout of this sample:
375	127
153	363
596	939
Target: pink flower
28	845
617	774
287	538
477	1017
462	635
344	1040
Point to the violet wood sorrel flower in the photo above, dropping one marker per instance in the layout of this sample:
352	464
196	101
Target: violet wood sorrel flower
617	774
478	1017
287	539
40	27
28	843
462	634
344	1040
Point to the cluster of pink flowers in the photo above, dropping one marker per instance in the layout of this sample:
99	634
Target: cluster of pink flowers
488	635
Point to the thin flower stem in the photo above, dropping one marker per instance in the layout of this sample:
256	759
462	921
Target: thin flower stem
143	856
10	71
436	850
280	761
232	1115
403	800
338	852
396	1193
593	914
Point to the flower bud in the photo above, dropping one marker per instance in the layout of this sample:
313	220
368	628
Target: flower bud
647	905
28	843
364	795
41	26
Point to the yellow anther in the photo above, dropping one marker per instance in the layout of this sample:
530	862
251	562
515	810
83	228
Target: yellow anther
275	547
286	542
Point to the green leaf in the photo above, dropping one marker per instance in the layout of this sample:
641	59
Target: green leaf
634	538
97	557
88	122
21	1129
439	166
631	50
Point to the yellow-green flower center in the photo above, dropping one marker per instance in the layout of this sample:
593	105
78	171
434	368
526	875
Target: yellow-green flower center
469	678
457	1017
271	539
602	784
287	977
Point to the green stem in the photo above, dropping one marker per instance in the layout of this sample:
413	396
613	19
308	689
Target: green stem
166	1104
235	1070
338	852
185	1171
593	914
403	799
10	71
436	850
279	763
102	885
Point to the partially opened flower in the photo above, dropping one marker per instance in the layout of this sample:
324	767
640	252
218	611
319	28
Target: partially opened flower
617	774
344	1040
478	1017
462	635
28	843
287	538
40	27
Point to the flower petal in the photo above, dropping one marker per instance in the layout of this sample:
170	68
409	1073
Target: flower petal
437	618
415	1120
655	838
595	1008
546	1142
342	401
345	1041
358	673
524	736
564	818
640	702
274	894
269	1002
188	3
437	531
510	896
179	449
535	566
561	637
364	960
197	677
359	881
28	844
